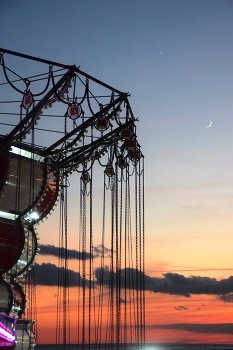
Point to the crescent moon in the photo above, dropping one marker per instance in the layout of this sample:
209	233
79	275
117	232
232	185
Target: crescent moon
208	126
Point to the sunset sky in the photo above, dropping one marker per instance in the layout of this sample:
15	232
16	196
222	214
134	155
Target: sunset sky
175	58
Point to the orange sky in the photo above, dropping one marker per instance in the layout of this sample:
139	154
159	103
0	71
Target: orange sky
160	310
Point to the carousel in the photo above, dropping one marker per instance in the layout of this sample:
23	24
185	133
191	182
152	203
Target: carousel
56	122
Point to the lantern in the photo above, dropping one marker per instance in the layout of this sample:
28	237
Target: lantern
85	177
126	133
109	170
102	124
130	145
135	154
27	100
74	111
121	162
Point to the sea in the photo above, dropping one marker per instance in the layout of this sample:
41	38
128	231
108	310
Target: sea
137	347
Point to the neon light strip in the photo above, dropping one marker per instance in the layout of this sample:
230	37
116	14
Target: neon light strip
5	334
26	154
10	216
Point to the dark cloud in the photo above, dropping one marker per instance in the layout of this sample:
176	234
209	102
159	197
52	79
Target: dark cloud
72	253
220	328
174	283
170	283
56	251
48	274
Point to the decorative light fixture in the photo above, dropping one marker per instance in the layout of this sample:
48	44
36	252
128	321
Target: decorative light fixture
74	111
102	124
109	170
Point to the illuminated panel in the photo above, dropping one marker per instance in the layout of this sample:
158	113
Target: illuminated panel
9	216
7	333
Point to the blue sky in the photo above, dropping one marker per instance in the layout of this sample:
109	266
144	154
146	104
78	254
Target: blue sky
175	58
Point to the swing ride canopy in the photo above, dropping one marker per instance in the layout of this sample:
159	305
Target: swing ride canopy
56	120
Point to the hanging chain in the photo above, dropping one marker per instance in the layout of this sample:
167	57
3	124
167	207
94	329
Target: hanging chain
100	302
125	256
80	259
60	260
136	252
143	253
90	262
112	338
65	270
131	266
120	251
84	260
140	252
117	260
33	309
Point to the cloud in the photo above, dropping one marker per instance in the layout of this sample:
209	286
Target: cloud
56	251
72	253
100	249
180	308
227	298
178	268
220	328
170	283
47	274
